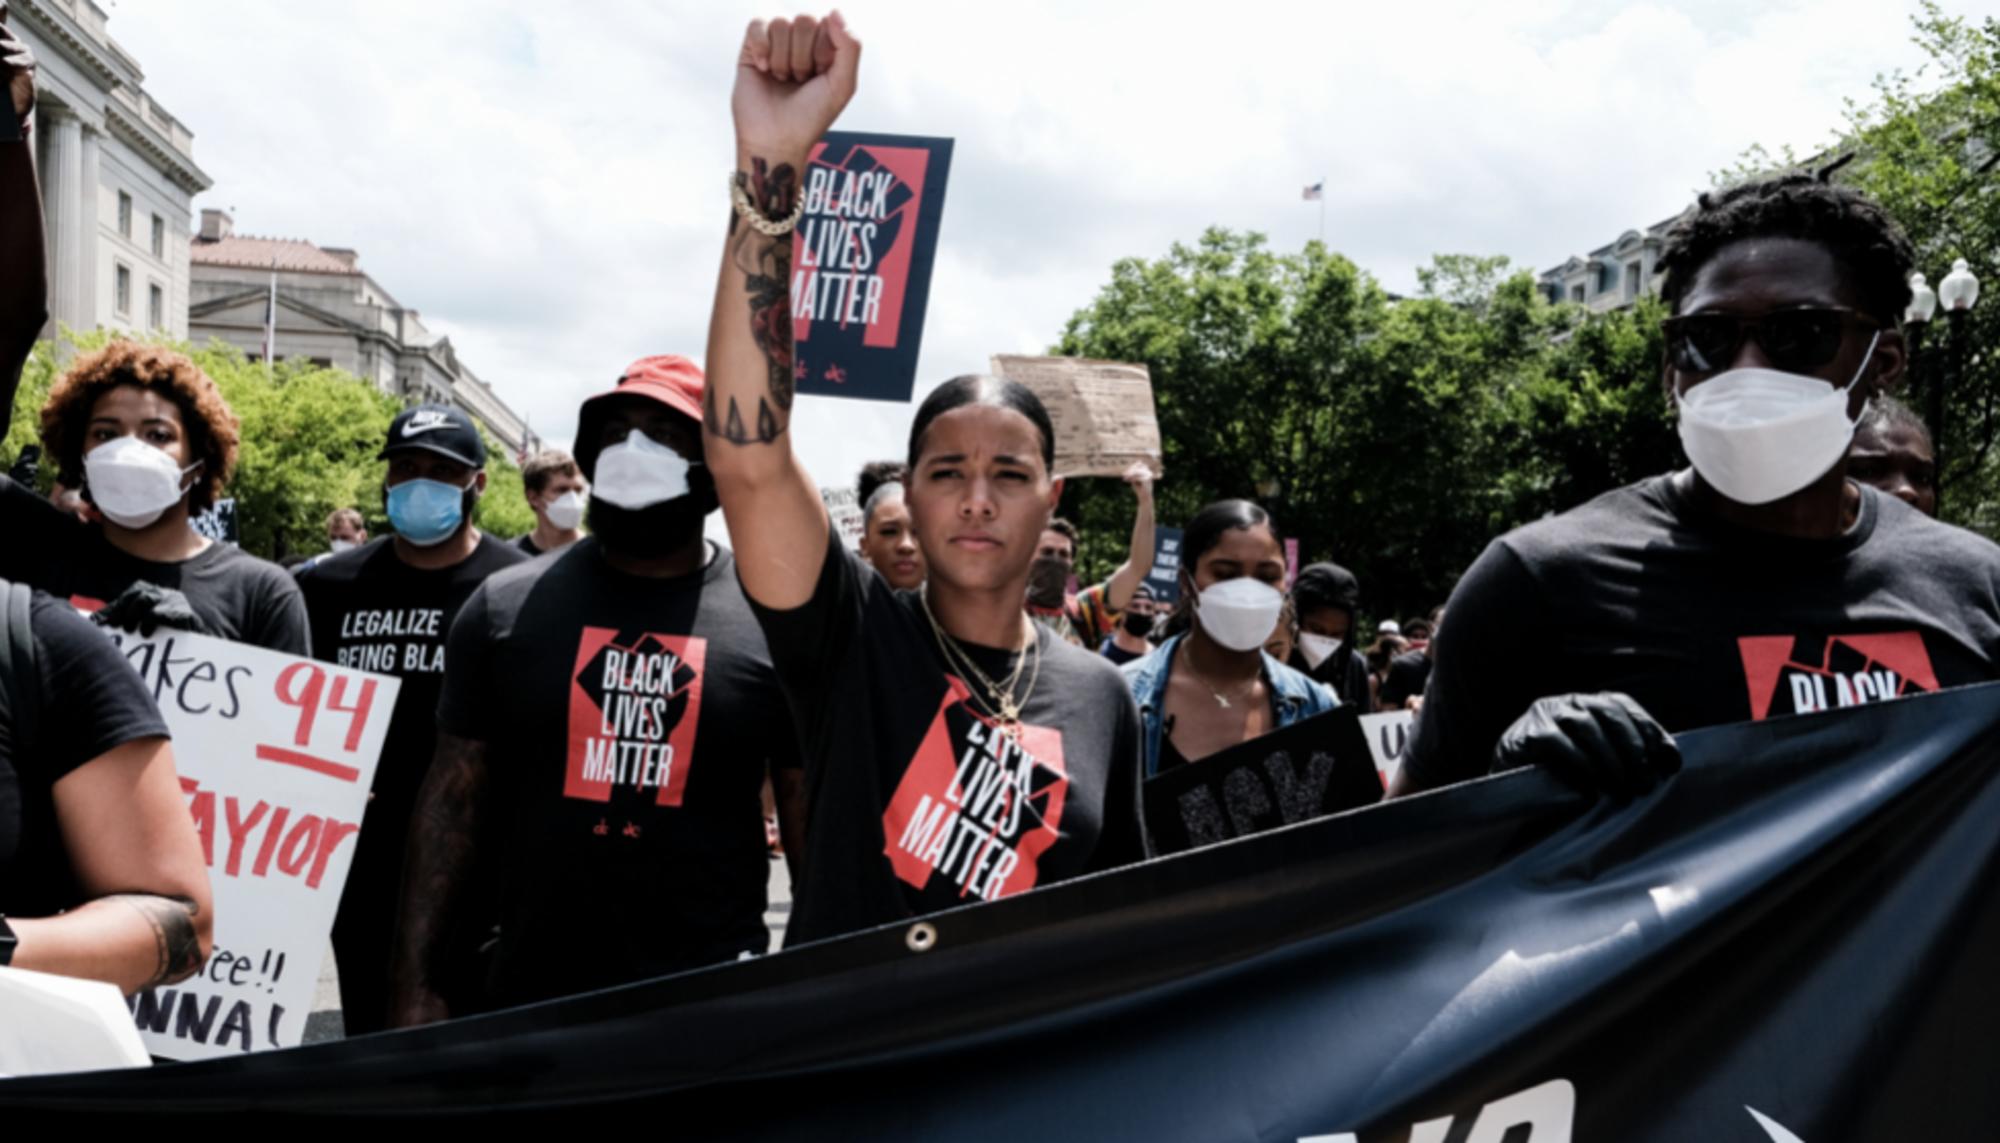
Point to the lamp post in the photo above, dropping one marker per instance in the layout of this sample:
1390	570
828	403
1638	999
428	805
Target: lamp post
1957	293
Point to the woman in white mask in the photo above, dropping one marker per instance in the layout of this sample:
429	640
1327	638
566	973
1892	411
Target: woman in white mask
1210	685
148	439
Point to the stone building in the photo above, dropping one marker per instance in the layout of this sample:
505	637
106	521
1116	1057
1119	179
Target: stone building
330	311
1612	276
118	177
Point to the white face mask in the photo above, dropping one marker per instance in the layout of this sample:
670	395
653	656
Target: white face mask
343	546
1317	648
132	482
566	511
1759	435
1240	613
639	472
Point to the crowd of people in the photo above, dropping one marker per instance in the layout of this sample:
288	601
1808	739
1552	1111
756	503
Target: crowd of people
594	717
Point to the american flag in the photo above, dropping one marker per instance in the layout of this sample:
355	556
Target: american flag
1314	192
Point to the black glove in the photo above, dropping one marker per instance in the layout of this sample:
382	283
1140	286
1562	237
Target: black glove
26	466
1604	744
146	607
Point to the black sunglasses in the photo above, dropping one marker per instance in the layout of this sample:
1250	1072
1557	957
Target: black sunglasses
1796	341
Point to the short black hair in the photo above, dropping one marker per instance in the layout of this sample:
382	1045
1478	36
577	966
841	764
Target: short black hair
875	474
1886	412
984	389
1067	531
1851	226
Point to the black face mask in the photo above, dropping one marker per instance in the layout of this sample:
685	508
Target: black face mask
1048	578
1138	623
657	529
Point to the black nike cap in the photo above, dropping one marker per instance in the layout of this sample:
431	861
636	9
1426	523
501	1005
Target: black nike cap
441	429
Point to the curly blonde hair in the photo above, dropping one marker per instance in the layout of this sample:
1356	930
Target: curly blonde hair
206	418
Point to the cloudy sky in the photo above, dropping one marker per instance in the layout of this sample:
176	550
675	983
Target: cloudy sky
545	182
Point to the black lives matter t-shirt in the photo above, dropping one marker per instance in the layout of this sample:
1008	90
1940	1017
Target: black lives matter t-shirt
92	702
916	801
240	597
1642	591
629	724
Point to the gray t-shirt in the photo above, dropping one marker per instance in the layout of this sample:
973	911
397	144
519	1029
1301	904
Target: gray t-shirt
1704	623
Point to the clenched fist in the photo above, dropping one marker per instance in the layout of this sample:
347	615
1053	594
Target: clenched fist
17	64
792	80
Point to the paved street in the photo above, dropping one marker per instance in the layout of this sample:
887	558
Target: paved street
324	1023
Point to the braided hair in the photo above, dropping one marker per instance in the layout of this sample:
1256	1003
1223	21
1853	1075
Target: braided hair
1860	235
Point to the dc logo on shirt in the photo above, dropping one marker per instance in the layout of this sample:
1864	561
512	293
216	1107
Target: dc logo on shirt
635	705
1798	674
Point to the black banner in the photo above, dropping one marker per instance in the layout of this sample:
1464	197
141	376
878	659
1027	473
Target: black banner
1307	770
861	263
1793	939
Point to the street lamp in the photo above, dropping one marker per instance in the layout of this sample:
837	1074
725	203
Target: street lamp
1958	291
1916	322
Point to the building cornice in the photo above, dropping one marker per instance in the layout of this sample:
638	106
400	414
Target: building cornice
62	30
180	170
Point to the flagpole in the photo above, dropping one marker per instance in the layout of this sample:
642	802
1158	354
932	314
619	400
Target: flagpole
271	317
1322	210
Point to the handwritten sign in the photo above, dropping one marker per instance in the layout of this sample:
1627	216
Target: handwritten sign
1309	769
276	754
1387	734
1103	411
843	513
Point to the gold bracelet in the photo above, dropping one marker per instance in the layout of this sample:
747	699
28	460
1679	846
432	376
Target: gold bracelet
755	217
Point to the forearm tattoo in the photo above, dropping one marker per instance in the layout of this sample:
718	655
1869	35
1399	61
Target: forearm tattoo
443	849
767	283
178	945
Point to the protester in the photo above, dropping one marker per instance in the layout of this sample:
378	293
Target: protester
557	493
888	542
1130	639
1327	600
1210	685
387	607
1892	451
1284	640
1381	654
875	474
1085	618
101	872
607	723
905	700
345	531
1762	582
1389	627
1403	684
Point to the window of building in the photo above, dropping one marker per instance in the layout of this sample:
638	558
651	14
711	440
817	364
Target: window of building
122	299
159	237
156	307
125	214
1631	280
1576	292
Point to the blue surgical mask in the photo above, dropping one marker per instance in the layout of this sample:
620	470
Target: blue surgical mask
426	512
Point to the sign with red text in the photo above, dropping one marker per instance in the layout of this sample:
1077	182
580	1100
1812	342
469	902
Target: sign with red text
861	263
276	754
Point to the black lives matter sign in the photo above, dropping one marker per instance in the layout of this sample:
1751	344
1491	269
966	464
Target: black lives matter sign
861	263
1317	766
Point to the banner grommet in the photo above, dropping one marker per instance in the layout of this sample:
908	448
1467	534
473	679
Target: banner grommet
921	937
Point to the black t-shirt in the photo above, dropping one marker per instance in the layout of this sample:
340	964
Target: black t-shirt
1408	674
915	802
1642	591
527	545
92	702
629	725
240	597
1115	655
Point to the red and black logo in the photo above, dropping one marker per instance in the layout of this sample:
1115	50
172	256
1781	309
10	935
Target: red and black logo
1798	674
634	707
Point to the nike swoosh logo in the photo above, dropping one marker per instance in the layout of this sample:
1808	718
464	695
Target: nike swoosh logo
413	430
1772	1127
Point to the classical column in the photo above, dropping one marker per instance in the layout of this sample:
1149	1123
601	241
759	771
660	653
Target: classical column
95	305
62	203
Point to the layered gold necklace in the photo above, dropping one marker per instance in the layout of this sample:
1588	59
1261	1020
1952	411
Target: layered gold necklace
999	701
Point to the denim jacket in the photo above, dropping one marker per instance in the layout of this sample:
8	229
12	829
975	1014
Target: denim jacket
1294	695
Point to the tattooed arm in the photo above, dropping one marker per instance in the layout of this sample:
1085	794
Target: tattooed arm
792	79
442	855
125	826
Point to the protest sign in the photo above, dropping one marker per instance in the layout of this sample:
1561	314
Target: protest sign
1792	939
1388	733
843	513
276	754
1103	411
1311	768
219	522
861	263
1165	576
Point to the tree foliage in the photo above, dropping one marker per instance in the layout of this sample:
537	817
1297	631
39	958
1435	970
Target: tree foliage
309	440
1394	435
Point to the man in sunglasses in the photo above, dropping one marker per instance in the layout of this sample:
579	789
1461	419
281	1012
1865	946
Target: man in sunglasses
1762	581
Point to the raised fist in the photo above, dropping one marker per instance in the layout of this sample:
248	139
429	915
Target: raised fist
17	64
792	80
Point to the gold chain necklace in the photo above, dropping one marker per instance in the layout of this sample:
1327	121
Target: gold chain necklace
999	702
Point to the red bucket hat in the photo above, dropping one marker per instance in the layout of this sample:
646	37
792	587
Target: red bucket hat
668	378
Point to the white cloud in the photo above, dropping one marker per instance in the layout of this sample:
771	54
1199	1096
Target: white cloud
545	182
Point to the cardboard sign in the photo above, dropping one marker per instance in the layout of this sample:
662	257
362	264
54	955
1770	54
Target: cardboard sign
1103	411
1387	735
861	263
1165	576
843	513
1309	769
276	754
